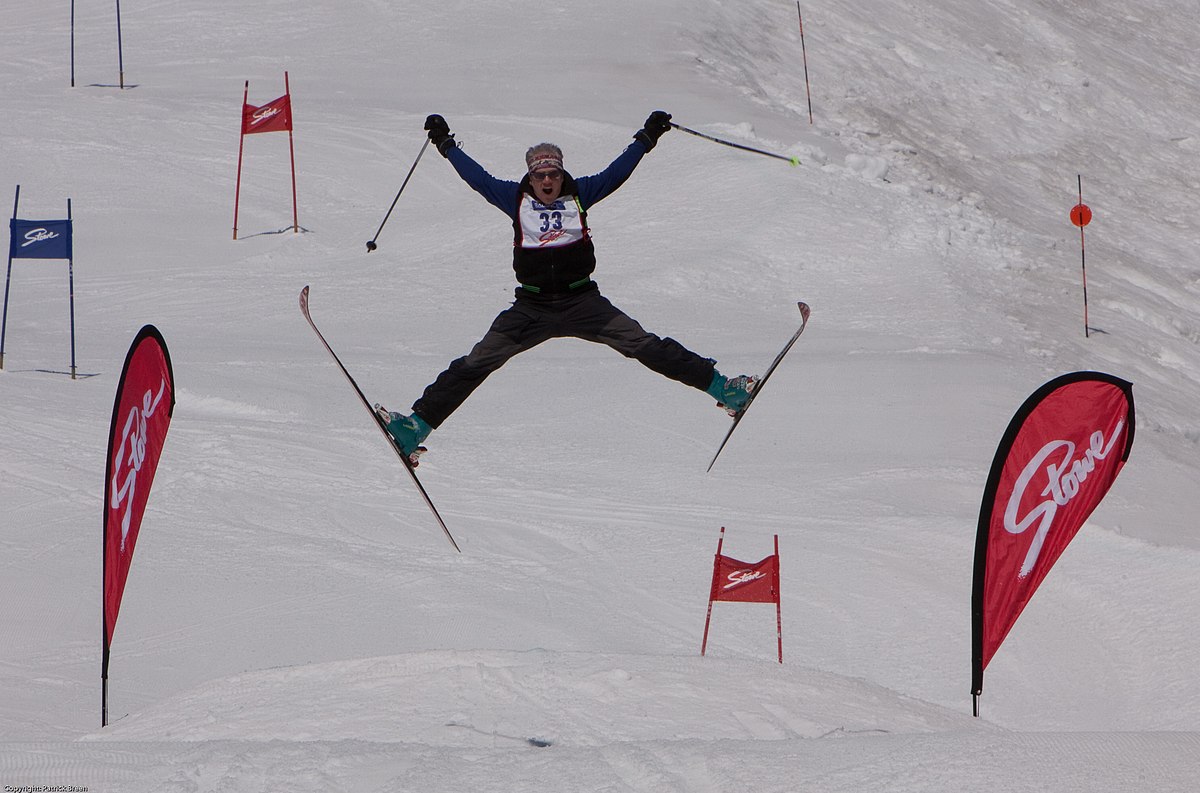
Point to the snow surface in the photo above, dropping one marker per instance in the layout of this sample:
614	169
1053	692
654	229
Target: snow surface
294	620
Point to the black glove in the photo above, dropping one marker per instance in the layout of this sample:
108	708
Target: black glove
658	122
439	134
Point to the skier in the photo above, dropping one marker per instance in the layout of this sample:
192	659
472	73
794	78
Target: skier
556	297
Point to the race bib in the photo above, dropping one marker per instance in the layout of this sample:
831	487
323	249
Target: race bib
551	225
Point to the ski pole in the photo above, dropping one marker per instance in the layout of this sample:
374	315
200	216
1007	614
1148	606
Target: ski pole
792	160
371	242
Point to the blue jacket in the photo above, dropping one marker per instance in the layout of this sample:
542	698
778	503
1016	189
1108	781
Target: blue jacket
552	270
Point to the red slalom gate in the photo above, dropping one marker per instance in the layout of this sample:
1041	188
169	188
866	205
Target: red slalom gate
745	582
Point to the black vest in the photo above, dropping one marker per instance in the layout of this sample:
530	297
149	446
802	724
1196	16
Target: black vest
552	267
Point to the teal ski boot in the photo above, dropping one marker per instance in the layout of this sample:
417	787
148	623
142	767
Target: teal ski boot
732	393
406	431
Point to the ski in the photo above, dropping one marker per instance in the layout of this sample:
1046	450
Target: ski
408	465
804	312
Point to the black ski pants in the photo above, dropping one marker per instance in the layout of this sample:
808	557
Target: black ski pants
531	320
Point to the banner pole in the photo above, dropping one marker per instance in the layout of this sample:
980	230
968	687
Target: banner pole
237	190
708	619
979	578
120	53
804	55
778	607
104	682
71	285
103	594
7	280
72	43
292	149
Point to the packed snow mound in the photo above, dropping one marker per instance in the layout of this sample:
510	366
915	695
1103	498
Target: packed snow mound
482	698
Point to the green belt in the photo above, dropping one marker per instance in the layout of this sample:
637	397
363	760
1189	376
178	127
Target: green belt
570	287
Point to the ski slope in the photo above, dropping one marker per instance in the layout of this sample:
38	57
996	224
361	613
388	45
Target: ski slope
294	619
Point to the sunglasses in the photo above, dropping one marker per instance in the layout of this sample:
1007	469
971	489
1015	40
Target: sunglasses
537	176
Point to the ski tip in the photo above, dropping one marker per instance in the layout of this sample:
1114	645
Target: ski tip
304	299
804	310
